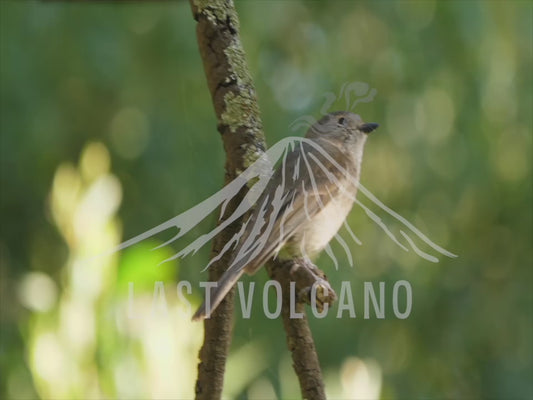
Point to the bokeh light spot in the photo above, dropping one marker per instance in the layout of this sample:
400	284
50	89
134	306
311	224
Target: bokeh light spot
37	291
94	161
129	132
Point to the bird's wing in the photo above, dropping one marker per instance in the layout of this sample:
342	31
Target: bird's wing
300	188
302	185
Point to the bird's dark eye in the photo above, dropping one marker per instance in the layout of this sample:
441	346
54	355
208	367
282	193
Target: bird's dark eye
341	121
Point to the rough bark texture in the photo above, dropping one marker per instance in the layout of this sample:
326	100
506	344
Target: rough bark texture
240	126
299	338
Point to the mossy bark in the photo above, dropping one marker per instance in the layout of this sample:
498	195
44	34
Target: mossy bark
239	123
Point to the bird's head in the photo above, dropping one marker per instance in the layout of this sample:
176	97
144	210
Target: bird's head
341	125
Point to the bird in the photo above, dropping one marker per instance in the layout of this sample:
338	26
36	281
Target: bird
304	204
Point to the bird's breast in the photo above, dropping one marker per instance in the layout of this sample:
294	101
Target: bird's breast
318	231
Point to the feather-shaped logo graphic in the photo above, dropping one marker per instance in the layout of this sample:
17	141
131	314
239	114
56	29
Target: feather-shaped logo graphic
290	185
405	236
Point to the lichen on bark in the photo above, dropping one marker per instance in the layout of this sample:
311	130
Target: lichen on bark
239	123
217	10
240	110
237	61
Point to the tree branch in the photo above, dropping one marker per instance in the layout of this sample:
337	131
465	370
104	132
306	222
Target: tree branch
299	338
240	126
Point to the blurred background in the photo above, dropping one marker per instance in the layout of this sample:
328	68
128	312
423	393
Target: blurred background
107	129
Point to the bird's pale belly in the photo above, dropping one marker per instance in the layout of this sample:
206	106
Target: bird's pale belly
317	232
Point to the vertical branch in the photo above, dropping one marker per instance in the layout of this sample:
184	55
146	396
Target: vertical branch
240	126
299	338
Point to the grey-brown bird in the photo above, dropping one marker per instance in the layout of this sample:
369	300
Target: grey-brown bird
304	204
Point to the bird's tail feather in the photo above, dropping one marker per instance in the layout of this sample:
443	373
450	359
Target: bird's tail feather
250	263
224	285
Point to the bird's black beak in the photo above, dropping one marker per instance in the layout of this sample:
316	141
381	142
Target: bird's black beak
369	127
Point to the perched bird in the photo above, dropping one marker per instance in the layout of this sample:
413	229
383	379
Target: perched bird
304	204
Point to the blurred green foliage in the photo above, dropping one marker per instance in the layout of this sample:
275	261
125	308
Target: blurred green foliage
109	101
